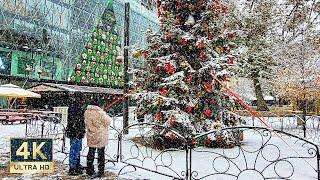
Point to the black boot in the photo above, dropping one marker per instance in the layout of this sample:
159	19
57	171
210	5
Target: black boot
90	171
81	167
74	172
101	162
99	174
90	159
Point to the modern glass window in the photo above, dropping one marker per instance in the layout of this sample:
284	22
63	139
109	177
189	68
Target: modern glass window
57	30
5	62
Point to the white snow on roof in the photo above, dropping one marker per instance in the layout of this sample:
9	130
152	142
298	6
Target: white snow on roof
267	98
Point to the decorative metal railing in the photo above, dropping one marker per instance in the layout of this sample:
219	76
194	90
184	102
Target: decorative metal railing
293	124
262	154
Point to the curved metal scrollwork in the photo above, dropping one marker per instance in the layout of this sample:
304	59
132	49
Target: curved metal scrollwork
140	149
263	155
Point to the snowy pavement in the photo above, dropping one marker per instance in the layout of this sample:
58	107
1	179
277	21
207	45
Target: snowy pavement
248	161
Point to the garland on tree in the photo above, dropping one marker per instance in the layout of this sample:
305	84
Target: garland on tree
178	90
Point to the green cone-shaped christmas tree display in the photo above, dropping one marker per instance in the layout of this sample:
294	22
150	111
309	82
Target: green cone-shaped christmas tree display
101	62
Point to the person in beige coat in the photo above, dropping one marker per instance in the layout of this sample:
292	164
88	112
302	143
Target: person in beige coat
97	123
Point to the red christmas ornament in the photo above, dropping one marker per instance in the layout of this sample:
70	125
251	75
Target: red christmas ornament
219	139
231	60
169	69
158	68
231	34
213	101
207	86
189	79
207	113
201	45
100	81
202	55
210	36
170	136
159	116
119	59
168	36
225	9
228	50
78	73
178	21
208	142
78	66
173	137
234	122
194	141
145	54
184	42
171	121
189	108
84	80
164	91
165	7
84	62
216	7
154	46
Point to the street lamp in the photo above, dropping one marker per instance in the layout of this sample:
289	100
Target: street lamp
40	70
28	68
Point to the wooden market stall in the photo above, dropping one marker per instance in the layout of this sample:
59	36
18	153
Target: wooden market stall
14	93
58	95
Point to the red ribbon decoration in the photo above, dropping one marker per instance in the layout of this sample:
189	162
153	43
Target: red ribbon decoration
158	6
122	97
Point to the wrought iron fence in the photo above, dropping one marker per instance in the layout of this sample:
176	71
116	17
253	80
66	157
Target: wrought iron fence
261	155
140	149
294	124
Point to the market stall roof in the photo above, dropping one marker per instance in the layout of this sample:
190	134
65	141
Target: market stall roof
49	87
11	90
44	88
267	98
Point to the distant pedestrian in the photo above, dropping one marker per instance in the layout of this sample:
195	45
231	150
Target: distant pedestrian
75	131
97	123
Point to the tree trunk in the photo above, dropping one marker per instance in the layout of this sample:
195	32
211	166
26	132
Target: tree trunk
261	103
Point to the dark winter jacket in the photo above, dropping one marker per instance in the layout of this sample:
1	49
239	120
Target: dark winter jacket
75	126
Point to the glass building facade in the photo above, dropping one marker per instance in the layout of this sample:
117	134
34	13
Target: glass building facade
45	38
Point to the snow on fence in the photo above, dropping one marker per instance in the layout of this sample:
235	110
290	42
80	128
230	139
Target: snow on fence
294	124
261	155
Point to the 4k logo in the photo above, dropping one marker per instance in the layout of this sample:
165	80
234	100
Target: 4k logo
36	150
31	156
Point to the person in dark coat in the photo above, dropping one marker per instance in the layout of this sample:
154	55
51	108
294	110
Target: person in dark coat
75	131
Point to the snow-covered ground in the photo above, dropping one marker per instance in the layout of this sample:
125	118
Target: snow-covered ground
246	162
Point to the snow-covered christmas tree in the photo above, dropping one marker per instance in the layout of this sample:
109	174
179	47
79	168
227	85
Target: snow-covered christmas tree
193	46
